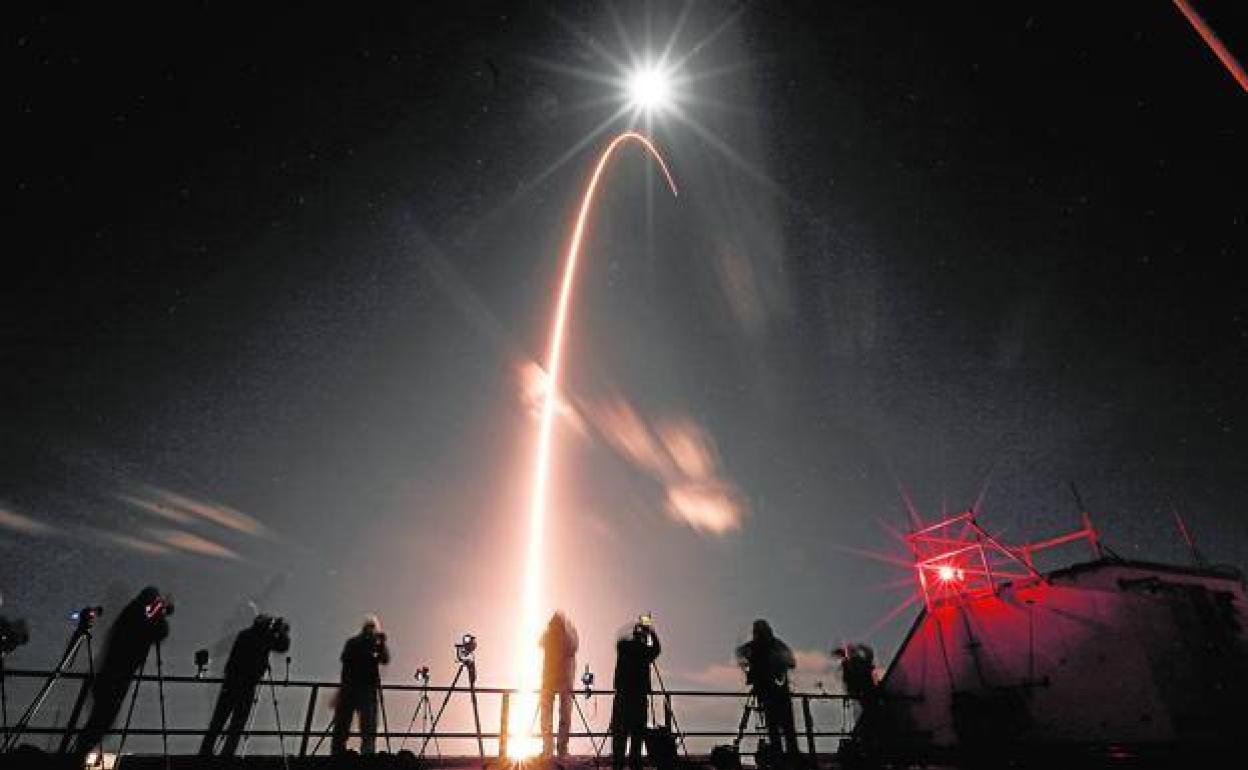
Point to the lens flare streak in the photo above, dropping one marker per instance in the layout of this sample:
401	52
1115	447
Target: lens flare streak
521	742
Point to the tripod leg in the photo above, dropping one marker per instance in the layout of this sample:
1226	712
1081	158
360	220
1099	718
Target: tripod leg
588	731
134	698
426	722
385	723
434	728
67	660
80	701
411	724
4	701
160	688
321	740
277	718
476	717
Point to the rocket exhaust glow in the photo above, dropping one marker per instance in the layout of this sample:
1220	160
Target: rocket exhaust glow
521	741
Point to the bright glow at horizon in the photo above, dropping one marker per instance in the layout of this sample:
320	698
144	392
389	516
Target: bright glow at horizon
650	89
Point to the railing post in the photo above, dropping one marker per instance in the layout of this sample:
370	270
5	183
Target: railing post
810	727
307	720
503	726
667	711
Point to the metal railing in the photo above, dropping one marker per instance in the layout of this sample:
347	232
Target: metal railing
294	717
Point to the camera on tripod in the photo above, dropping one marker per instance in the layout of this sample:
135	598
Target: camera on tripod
276	630
201	663
13	634
86	617
465	648
587	681
160	607
422	676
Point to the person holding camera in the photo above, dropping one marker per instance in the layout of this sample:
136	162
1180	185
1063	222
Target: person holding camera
248	662
634	657
767	662
140	624
559	644
361	678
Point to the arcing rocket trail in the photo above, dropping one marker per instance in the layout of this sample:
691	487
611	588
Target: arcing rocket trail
520	741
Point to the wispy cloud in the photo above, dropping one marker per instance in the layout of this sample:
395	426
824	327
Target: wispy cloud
24	524
192	543
679	454
185	510
675	451
129	542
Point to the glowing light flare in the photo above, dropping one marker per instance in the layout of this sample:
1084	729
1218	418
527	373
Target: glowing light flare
948	573
520	741
650	89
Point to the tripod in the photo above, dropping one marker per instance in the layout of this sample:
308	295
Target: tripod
4	700
277	716
81	631
751	704
667	709
134	697
589	733
385	723
466	663
424	710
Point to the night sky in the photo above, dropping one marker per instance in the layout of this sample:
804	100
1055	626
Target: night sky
277	278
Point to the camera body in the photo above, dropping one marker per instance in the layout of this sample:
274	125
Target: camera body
160	607
278	630
465	647
422	676
587	681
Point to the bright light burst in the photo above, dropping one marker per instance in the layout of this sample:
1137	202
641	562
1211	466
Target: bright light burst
650	89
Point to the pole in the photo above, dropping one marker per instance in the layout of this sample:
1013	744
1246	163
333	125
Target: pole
505	722
810	727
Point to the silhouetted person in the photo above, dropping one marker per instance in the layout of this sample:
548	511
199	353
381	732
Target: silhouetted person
361	678
858	675
633	658
767	662
140	624
248	662
559	643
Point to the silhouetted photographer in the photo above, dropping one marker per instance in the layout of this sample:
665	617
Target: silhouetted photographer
559	643
767	662
634	657
361	658
142	623
858	675
248	662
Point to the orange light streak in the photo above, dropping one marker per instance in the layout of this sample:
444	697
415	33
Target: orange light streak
521	741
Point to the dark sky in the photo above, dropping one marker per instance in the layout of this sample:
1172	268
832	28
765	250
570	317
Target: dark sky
275	274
